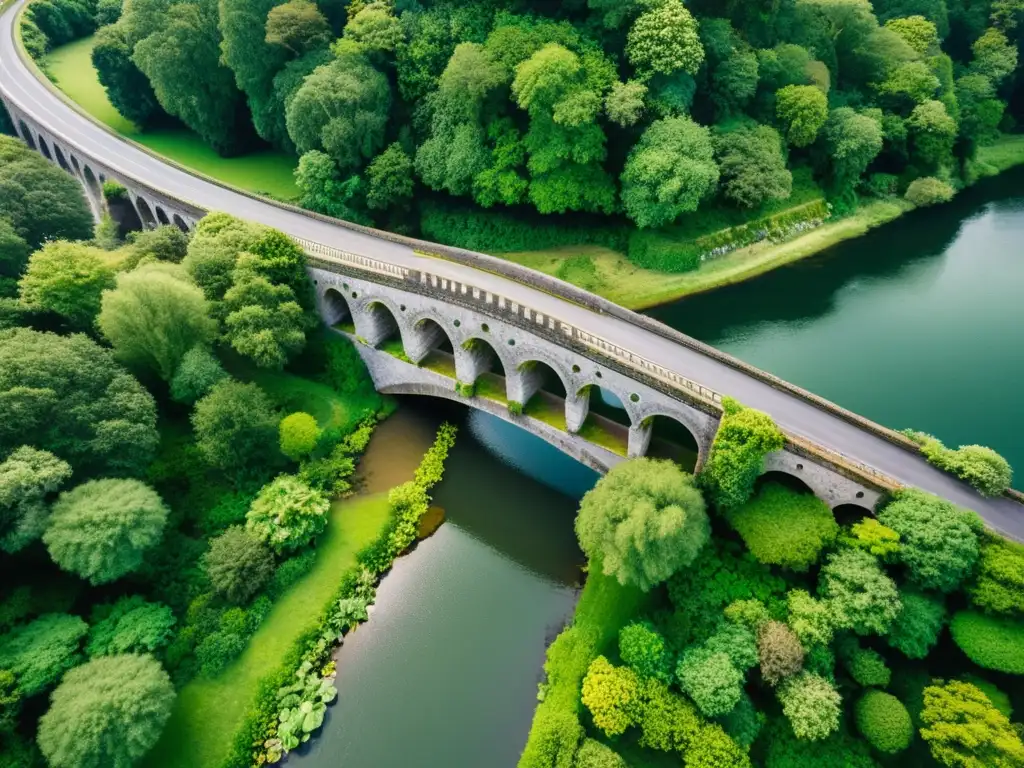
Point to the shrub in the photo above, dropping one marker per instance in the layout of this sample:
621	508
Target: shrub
237	565
236	428
992	642
40	652
917	628
785	528
963	728
131	625
812	705
928	191
874	538
197	373
611	694
780	652
860	595
102	529
711	680
866	666
712	748
982	467
108	712
810	619
881	184
667	721
643	649
299	435
659	250
939	541
217	650
998	585
884	722
114	192
287	514
744	438
594	754
999	699
642	522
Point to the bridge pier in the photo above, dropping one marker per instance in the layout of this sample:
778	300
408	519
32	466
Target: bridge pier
523	382
471	360
576	409
420	339
374	324
639	439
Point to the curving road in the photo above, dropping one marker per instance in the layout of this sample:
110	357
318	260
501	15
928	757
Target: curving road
19	84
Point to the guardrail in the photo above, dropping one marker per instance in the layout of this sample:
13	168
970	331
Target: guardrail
487	300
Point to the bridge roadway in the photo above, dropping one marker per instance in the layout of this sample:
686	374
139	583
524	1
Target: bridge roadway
797	415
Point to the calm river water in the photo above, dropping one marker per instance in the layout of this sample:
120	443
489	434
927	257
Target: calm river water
920	324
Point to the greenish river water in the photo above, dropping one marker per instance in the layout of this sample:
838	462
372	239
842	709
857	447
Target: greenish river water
919	324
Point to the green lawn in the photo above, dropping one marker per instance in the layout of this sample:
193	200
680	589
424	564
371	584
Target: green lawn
266	171
1004	153
207	712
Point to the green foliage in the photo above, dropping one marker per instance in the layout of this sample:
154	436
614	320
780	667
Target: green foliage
917	628
27	476
664	39
237	565
919	32
779	651
785	750
213	251
928	191
998	584
932	132
744	438
102	529
785	528
234	425
594	754
859	594
289	572
611	694
744	723
711	680
865	665
884	722
669	171
127	88
851	141
938	540
874	538
982	467
999	699
642	522
812	705
992	642
165	243
67	278
297	26
299	434
712	748
40	652
108	712
153	317
391	179
14	251
963	728
752	165
197	373
287	514
644	650
131	625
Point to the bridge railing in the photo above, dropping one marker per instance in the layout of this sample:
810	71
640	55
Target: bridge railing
488	300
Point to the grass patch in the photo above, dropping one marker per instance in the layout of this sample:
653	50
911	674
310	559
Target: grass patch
395	348
268	171
207	712
550	410
596	431
439	362
491	386
1005	152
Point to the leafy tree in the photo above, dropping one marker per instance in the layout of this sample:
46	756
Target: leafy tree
375	27
27	476
238	565
998	584
884	722
993	642
860	595
874	538
643	649
323	190
744	723
40	201
234	425
642	522
299	435
624	103
666	720
128	89
917	628
810	619
264	321
341	109
745	436
737	641
920	33
131	625
152	318
753	166
669	171
785	750
213	251
933	133
939	541
594	754
165	243
851	142
782	527
40	652
982	467
390	178
182	59
812	705
101	530
196	375
865	665
962	728
108	712
780	652
611	694
733	66
298	26
803	111
994	56
75	401
928	191
711	680
980	110
14	252
287	514
712	748
908	84
67	278
664	39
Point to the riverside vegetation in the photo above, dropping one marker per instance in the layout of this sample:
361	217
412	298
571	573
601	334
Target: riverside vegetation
670	133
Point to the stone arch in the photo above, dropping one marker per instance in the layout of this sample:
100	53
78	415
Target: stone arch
180	223
378	321
795	481
477	357
44	148
672	438
93	183
592	392
161	216
75	165
61	160
334	308
824	481
428	326
28	136
145	213
848	513
493	351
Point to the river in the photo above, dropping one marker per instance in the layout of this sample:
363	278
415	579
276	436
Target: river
918	324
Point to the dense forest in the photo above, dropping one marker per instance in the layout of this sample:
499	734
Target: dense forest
570	114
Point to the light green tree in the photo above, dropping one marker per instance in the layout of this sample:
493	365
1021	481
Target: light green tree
299	434
964	730
297	26
859	593
611	694
131	625
812	705
287	514
27	476
196	374
40	652
67	278
664	39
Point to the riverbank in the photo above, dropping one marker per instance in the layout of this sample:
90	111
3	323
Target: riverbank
610	274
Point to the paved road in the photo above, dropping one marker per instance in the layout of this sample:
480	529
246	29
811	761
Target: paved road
794	414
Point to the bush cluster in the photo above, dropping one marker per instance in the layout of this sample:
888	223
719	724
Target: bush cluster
744	438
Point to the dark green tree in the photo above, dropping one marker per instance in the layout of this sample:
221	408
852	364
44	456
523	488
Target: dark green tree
238	565
236	427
